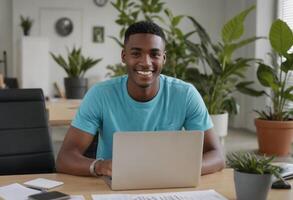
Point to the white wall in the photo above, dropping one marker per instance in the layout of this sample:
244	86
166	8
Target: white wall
85	15
6	33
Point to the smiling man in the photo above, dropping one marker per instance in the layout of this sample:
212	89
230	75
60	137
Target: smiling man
142	100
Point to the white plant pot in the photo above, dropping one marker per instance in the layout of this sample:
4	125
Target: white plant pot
220	122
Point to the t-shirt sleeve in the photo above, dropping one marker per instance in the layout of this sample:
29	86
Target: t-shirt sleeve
197	116
89	115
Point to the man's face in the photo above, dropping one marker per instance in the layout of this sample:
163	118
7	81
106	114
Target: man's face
144	55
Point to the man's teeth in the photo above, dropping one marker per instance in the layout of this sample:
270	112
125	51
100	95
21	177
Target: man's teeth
145	73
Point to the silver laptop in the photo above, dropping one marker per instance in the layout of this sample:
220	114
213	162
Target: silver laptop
164	159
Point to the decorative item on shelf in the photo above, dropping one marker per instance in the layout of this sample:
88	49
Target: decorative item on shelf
64	26
75	67
100	3
98	34
275	125
222	74
253	175
26	24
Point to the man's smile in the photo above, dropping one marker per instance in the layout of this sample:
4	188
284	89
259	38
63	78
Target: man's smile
144	73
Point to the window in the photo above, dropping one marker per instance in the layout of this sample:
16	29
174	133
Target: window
286	14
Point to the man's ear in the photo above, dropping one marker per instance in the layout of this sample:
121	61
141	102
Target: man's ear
165	57
123	56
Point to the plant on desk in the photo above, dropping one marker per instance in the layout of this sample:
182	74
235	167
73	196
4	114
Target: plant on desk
76	66
252	175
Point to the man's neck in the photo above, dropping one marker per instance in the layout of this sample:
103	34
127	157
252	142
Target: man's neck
143	94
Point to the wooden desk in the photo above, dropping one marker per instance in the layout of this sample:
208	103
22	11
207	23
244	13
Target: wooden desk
222	182
62	111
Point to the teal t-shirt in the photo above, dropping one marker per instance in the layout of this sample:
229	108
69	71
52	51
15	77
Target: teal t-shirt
108	108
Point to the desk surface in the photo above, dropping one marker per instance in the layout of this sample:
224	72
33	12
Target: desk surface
62	111
222	182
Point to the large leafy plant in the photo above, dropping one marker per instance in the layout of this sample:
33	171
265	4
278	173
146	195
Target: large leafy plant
222	74
178	55
275	78
76	64
253	164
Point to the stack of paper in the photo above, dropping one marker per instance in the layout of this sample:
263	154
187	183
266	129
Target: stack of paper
42	183
16	191
193	195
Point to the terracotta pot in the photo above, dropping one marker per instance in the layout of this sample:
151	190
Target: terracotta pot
274	137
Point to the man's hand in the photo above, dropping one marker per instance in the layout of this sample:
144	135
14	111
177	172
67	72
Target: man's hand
213	157
104	167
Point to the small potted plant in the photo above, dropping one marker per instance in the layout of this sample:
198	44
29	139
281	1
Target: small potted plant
75	67
26	24
253	175
275	125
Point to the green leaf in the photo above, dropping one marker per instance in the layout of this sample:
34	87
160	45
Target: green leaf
205	38
267	77
159	18
176	20
168	13
288	95
179	33
243	88
230	48
289	89
77	65
230	106
287	65
234	28
281	37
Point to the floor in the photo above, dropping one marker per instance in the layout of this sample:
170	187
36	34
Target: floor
236	140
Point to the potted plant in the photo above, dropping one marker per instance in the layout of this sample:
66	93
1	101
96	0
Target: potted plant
26	24
253	175
222	74
75	67
275	125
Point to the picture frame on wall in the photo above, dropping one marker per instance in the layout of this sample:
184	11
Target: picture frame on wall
98	34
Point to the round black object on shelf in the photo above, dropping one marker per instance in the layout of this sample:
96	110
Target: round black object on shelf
100	3
64	26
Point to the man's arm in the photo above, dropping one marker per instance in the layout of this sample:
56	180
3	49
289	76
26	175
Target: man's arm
70	159
213	157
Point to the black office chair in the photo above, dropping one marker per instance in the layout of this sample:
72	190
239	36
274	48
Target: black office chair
25	143
11	83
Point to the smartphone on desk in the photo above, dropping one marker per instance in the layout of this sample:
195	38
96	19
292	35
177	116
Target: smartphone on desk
54	195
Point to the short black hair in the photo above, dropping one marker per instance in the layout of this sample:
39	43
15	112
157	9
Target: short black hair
144	27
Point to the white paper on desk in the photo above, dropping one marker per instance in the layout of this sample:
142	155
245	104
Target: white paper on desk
16	191
42	183
192	195
76	197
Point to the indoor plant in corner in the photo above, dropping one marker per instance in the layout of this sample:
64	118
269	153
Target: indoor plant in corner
253	175
75	67
222	74
275	125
